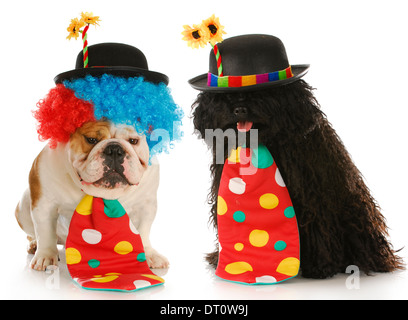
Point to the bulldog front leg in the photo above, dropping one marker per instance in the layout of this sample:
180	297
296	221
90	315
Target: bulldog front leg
154	259
143	223
45	216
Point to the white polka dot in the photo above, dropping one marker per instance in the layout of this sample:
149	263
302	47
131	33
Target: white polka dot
139	284
279	179
91	236
237	185
132	227
265	279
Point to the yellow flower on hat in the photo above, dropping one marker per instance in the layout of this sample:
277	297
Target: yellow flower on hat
89	18
196	36
74	28
216	30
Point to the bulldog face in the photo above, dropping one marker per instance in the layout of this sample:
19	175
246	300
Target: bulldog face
107	159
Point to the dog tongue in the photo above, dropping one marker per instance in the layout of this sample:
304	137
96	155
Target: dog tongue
244	126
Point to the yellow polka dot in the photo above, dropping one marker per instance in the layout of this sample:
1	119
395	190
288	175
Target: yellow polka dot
123	247
258	238
72	255
85	206
289	266
239	246
238	267
107	278
153	276
268	201
234	156
221	206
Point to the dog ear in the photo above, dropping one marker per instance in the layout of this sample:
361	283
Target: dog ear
198	121
202	115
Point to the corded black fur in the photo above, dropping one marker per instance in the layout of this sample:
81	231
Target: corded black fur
339	222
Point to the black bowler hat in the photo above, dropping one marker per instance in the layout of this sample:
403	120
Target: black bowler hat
115	59
249	62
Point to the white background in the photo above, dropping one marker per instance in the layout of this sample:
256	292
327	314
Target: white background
358	54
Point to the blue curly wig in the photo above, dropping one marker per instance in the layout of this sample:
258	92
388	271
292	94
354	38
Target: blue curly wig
148	107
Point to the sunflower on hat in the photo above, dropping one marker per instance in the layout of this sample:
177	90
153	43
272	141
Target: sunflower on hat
76	24
74	28
209	31
215	28
196	36
89	18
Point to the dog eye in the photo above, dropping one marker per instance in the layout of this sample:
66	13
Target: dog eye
133	141
91	140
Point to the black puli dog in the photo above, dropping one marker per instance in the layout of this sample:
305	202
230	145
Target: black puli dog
339	222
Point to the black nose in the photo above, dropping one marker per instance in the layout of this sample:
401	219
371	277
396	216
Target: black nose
241	112
114	150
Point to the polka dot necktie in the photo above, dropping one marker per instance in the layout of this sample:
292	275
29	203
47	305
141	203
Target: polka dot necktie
104	251
257	227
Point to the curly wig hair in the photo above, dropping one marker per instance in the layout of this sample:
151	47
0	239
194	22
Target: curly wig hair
131	101
340	224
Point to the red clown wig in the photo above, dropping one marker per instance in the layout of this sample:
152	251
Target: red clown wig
60	113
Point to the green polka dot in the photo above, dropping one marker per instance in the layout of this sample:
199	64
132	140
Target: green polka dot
113	209
289	212
239	216
141	257
93	263
261	157
280	245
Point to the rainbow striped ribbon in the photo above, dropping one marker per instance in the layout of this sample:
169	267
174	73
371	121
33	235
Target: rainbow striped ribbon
250	80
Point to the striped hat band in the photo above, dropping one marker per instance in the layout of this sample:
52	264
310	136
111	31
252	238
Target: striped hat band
250	80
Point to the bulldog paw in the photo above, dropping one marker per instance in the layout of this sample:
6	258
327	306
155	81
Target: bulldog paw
155	260
41	261
32	246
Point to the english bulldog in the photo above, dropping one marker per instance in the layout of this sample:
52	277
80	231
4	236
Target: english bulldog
100	159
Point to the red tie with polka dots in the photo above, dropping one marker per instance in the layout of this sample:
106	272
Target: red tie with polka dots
257	227
104	251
